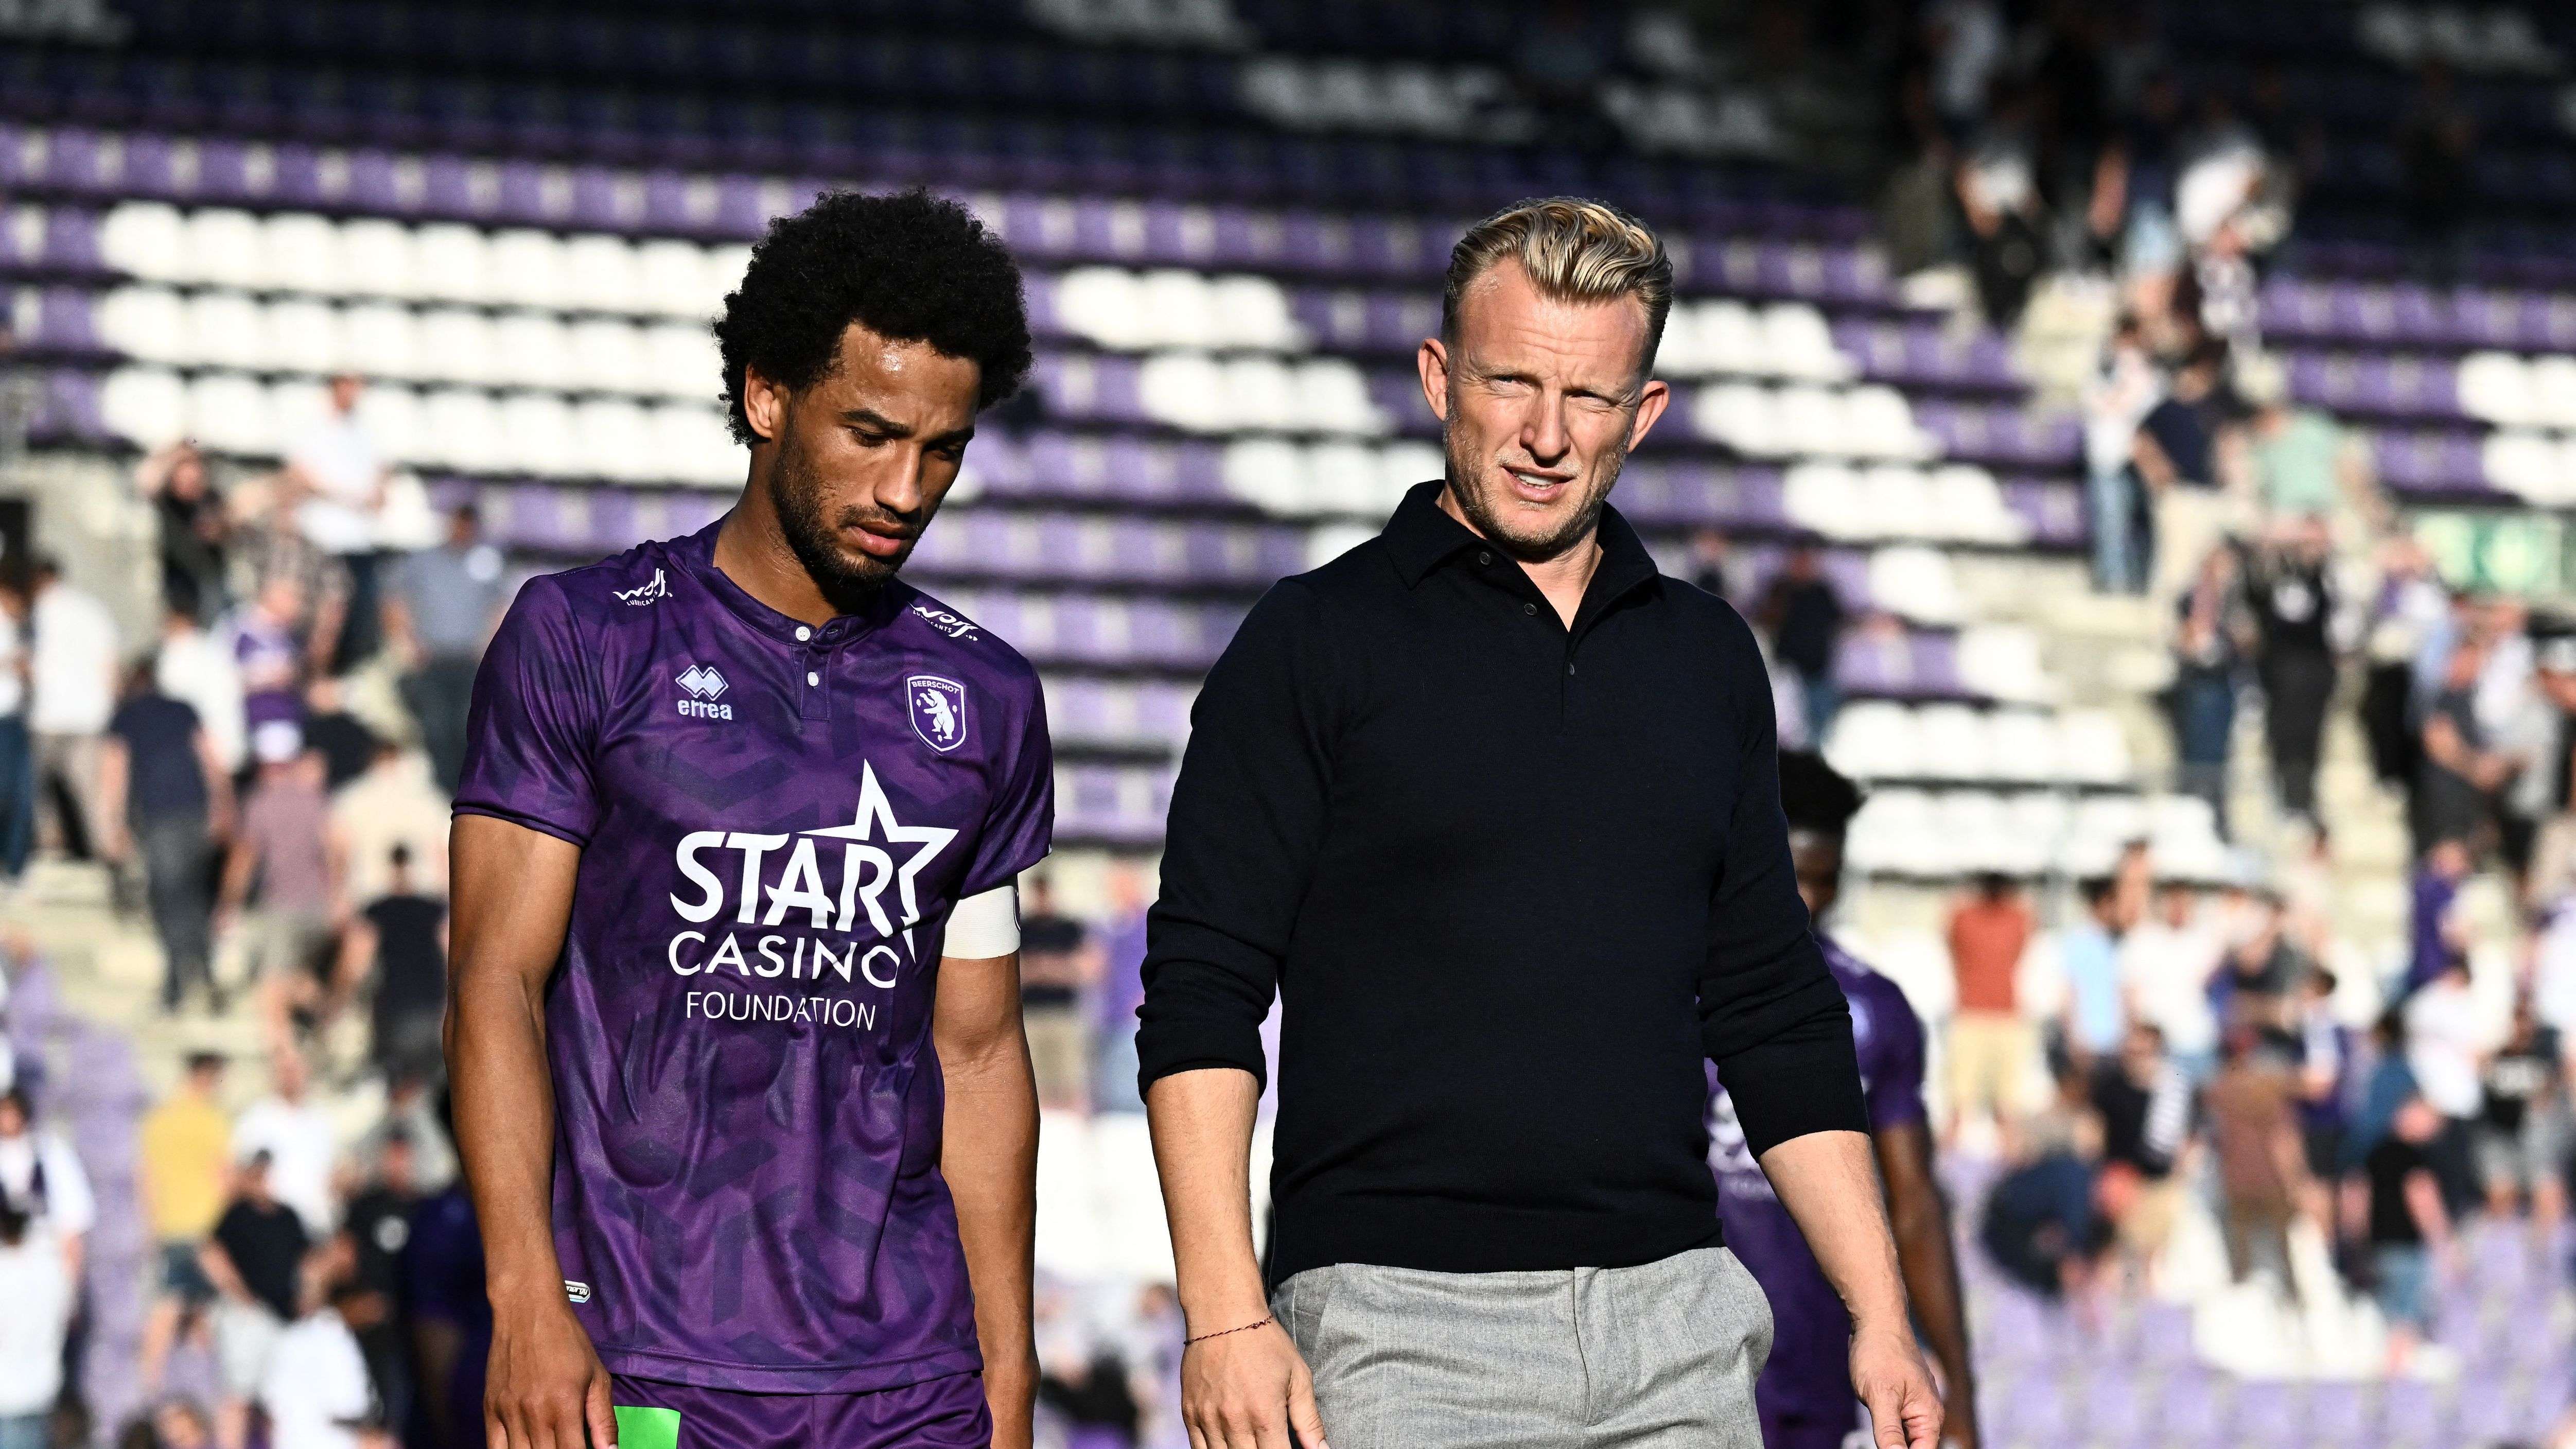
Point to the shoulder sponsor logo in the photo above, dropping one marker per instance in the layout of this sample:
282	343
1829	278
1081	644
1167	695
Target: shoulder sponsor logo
704	684
938	710
653	592
952	625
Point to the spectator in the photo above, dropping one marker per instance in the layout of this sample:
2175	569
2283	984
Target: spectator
1804	614
398	941
2456	782
1711	556
2088	954
411	1113
39	1293
2407	1223
197	668
346	745
2145	1105
1057	963
17	745
255	1259
2165	965
2000	199
2409	607
292	1132
42	1177
2261	973
2041	1225
277	562
1991	1045
2293	597
184	1153
2521	1132
1122	990
72	677
2262	1165
2436	939
2304	465
316	1391
338	477
451	1319
395	803
2209	639
179	1424
193	528
2117	398
282	846
166	795
441	609
2446	1045
268	658
379	1225
2329	1062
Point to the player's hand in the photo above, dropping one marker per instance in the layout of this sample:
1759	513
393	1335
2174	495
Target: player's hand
546	1388
1247	1390
1888	1373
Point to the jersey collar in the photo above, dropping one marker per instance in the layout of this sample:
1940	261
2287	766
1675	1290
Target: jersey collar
697	554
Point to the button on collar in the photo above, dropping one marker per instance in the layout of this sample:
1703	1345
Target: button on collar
813	678
803	633
1485	557
1529	608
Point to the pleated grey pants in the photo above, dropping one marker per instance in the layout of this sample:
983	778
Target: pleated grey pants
1659	1356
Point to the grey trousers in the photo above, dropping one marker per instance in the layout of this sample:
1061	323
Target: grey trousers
1663	1354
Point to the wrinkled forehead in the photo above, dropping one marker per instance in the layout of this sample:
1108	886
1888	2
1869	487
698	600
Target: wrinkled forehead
904	381
1507	323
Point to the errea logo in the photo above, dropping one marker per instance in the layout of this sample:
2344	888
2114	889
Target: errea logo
704	684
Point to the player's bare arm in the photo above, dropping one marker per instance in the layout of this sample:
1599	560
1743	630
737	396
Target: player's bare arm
1919	1212
989	1156
512	892
1242	1386
1829	1185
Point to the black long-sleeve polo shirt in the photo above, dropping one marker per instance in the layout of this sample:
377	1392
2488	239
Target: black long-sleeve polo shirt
1512	881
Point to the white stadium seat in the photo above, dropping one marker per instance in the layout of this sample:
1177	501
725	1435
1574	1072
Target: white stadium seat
300	252
225	249
146	323
525	269
381	339
457	345
145	406
531	350
461	429
600	275
537	434
145	239
452	264
224	329
379	258
230	413
303	335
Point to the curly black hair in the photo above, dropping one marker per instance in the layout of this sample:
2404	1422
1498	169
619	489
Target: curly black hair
910	266
1815	795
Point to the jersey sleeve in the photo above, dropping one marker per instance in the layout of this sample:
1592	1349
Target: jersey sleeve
1019	828
532	726
1892	1073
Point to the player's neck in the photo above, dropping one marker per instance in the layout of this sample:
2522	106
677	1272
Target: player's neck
752	551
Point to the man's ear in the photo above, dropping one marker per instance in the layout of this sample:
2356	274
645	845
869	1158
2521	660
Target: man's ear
1432	358
764	405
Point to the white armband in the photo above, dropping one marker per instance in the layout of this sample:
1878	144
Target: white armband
985	925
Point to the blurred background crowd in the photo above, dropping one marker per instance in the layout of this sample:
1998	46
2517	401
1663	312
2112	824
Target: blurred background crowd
2140	435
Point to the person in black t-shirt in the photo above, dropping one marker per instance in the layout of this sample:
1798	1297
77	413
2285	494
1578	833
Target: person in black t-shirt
379	1228
2291	591
2522	1129
1805	616
399	940
1056	963
255	1258
343	740
2406	1225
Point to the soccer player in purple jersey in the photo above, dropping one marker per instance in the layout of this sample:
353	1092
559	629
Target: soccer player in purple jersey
1805	1393
739	1072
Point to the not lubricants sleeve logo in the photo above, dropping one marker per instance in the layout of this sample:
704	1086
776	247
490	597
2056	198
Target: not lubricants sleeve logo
704	685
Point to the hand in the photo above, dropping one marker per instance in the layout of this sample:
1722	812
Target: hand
546	1385
1887	1372
1247	1390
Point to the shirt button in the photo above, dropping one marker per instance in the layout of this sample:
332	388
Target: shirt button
1529	608
813	678
1484	558
803	633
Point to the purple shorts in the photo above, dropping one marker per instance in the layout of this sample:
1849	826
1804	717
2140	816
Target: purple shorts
941	1413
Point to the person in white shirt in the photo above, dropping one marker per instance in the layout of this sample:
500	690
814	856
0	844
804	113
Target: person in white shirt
2447	1042
339	475
37	1290
301	1144
2165	965
316	1389
72	664
199	670
42	1177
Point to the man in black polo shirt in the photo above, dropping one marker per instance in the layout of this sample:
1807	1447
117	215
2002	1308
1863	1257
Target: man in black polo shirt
1494	807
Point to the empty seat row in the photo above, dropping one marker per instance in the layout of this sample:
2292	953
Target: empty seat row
2491	39
1954	502
297	251
2410	315
1798	420
1726	337
1327	479
1130	311
1070	629
1316	94
533	433
2516	391
1948	833
1886	740
2540	467
1692	121
1148	22
1090	712
456	345
978	542
1123	805
1203	394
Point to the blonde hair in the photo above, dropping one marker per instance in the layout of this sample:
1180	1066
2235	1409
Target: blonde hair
1575	250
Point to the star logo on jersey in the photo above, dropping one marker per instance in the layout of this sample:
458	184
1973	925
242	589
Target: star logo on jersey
937	707
875	822
646	593
702	681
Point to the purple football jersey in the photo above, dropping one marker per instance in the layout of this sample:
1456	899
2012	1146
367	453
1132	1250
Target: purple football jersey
776	821
1809	1375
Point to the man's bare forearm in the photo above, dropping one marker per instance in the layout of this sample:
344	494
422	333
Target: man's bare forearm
1920	1217
1830	1186
505	1129
989	1156
1202	1125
